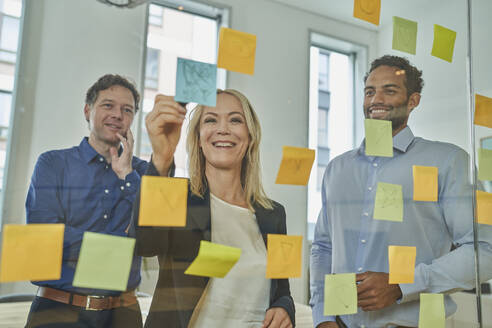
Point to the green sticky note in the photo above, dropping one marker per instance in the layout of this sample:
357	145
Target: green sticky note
484	164
443	45
388	204
340	294
404	35
379	138
104	262
432	313
213	260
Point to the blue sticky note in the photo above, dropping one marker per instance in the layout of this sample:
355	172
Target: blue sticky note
196	82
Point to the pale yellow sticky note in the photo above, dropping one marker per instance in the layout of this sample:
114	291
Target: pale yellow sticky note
31	252
484	207
484	164
443	45
340	294
284	256
104	261
432	313
296	165
401	264
163	201
388	204
379	138
368	10
483	111
236	51
213	260
425	184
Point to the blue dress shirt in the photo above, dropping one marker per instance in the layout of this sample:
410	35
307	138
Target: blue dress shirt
77	187
348	240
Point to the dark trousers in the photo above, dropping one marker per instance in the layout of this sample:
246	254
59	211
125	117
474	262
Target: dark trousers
46	313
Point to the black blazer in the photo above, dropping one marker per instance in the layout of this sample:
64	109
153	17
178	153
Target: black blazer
177	294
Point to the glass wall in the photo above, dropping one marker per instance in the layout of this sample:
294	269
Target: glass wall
309	90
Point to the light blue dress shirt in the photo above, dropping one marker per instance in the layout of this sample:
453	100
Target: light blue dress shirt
348	239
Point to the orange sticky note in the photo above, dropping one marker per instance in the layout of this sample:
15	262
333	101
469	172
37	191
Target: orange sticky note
236	51
484	207
483	111
296	165
401	264
425	183
163	201
284	255
368	10
31	252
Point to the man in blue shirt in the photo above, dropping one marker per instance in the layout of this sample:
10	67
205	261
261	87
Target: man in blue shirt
90	187
348	240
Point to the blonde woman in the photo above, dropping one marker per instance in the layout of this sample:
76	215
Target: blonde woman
226	205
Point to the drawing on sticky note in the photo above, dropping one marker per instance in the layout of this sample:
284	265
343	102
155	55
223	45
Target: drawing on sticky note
286	250
342	293
198	79
388	196
369	6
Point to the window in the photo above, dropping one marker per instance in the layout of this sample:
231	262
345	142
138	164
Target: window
335	66
182	29
152	69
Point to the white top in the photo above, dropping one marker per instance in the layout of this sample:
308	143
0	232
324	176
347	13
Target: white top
241	298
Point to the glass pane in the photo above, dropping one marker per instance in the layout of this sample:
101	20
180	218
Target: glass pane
10	33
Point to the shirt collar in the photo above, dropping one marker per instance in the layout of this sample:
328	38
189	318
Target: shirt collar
401	141
88	153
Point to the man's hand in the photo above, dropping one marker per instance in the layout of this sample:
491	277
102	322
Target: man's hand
164	128
374	292
122	165
328	324
276	318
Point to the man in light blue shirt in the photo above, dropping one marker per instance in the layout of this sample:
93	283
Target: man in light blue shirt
348	240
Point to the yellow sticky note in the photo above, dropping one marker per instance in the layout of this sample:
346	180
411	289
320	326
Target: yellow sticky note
401	264
425	184
379	138
31	252
484	164
443	45
483	111
432	313
388	204
284	256
340	294
104	262
296	165
404	35
368	10
236	51
213	260
163	201
484	207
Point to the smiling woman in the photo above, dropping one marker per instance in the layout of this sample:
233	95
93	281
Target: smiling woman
226	205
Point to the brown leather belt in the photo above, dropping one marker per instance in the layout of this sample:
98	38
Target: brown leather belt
88	302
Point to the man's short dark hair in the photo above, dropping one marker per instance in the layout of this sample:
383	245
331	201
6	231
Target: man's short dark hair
413	80
106	82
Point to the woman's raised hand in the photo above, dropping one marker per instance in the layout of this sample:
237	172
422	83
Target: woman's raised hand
164	128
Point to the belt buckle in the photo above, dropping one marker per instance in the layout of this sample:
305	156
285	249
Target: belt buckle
88	302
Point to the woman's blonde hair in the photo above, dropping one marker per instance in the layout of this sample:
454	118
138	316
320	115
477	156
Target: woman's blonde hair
250	167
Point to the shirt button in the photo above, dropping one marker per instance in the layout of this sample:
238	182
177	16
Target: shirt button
362	326
375	164
359	269
363	241
101	159
122	188
370	188
105	216
107	167
128	184
106	191
366	214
